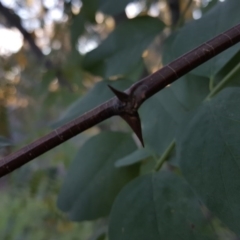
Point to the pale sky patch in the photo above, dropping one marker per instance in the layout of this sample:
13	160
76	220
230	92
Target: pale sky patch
11	41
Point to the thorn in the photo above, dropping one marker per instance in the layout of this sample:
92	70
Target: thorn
135	123
122	96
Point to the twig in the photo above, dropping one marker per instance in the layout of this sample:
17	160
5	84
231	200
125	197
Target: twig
126	103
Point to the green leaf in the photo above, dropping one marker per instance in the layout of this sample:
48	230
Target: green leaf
97	95
77	28
232	80
134	157
4	142
158	206
137	71
113	7
215	21
163	113
123	48
191	90
93	182
147	166
210	4
110	7
209	156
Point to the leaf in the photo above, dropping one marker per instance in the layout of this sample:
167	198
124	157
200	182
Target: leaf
123	48
137	71
97	95
77	27
89	9
215	21
134	157
147	166
4	142
158	206
113	7
88	12
209	156
210	4
163	113
93	182
109	7
233	80
191	90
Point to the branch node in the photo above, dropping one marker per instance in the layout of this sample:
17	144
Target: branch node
129	113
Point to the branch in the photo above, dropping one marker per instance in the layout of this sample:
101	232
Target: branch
126	103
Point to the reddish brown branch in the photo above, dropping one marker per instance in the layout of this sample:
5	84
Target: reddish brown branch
126	105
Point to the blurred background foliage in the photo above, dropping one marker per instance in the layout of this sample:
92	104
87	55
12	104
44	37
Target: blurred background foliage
52	52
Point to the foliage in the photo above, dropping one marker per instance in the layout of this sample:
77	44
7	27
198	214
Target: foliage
183	185
4	142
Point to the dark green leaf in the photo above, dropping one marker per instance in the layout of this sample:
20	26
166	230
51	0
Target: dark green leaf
4	142
97	95
147	166
164	112
233	80
190	90
209	6
158	206
89	9
110	7
77	28
134	157
93	182
136	72
209	155
219	18
123	48
113	7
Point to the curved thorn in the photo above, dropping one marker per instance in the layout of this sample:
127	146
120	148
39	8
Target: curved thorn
135	123
122	96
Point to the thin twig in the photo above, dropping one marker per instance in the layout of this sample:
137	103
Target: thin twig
127	103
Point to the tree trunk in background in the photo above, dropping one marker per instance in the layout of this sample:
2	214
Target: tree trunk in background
4	131
174	7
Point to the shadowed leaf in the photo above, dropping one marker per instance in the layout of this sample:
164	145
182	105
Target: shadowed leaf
209	156
93	181
123	48
158	206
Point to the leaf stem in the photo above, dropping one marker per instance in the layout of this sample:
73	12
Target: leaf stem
183	14
165	156
221	84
